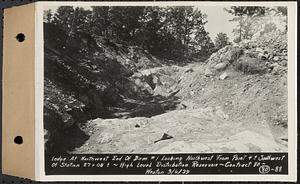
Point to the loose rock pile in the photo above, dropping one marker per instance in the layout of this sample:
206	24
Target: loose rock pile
271	49
267	53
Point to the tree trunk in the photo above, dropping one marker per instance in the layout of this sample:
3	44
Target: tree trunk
240	28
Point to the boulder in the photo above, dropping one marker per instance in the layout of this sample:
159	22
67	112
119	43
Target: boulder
220	66
274	65
188	70
224	49
276	68
165	136
208	72
224	76
276	58
259	50
143	85
156	80
234	54
283	62
284	52
262	56
181	106
137	75
161	90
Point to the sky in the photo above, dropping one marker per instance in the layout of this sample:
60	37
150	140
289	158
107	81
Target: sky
218	20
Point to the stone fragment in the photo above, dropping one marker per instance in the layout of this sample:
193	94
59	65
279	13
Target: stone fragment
224	76
165	136
258	49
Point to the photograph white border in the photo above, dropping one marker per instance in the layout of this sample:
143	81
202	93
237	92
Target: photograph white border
292	99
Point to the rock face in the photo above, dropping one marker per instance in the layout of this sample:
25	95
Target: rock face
226	55
246	141
201	131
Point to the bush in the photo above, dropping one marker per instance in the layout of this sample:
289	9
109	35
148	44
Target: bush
250	65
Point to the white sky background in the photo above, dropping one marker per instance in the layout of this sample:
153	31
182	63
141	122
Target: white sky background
218	20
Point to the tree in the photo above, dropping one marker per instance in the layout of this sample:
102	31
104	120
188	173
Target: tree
185	24
149	33
246	16
173	32
221	40
247	10
64	17
82	21
125	21
282	10
47	17
247	27
72	20
202	44
100	20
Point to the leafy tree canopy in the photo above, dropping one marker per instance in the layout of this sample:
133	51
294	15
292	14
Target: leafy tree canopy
172	32
221	40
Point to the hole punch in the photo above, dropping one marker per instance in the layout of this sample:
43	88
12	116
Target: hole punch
18	140
20	37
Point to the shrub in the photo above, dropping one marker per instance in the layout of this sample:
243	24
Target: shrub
250	65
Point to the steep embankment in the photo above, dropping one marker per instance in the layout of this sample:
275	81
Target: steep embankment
87	77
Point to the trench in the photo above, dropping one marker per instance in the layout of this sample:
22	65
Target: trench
161	117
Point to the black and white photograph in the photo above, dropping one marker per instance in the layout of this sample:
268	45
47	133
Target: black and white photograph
165	80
